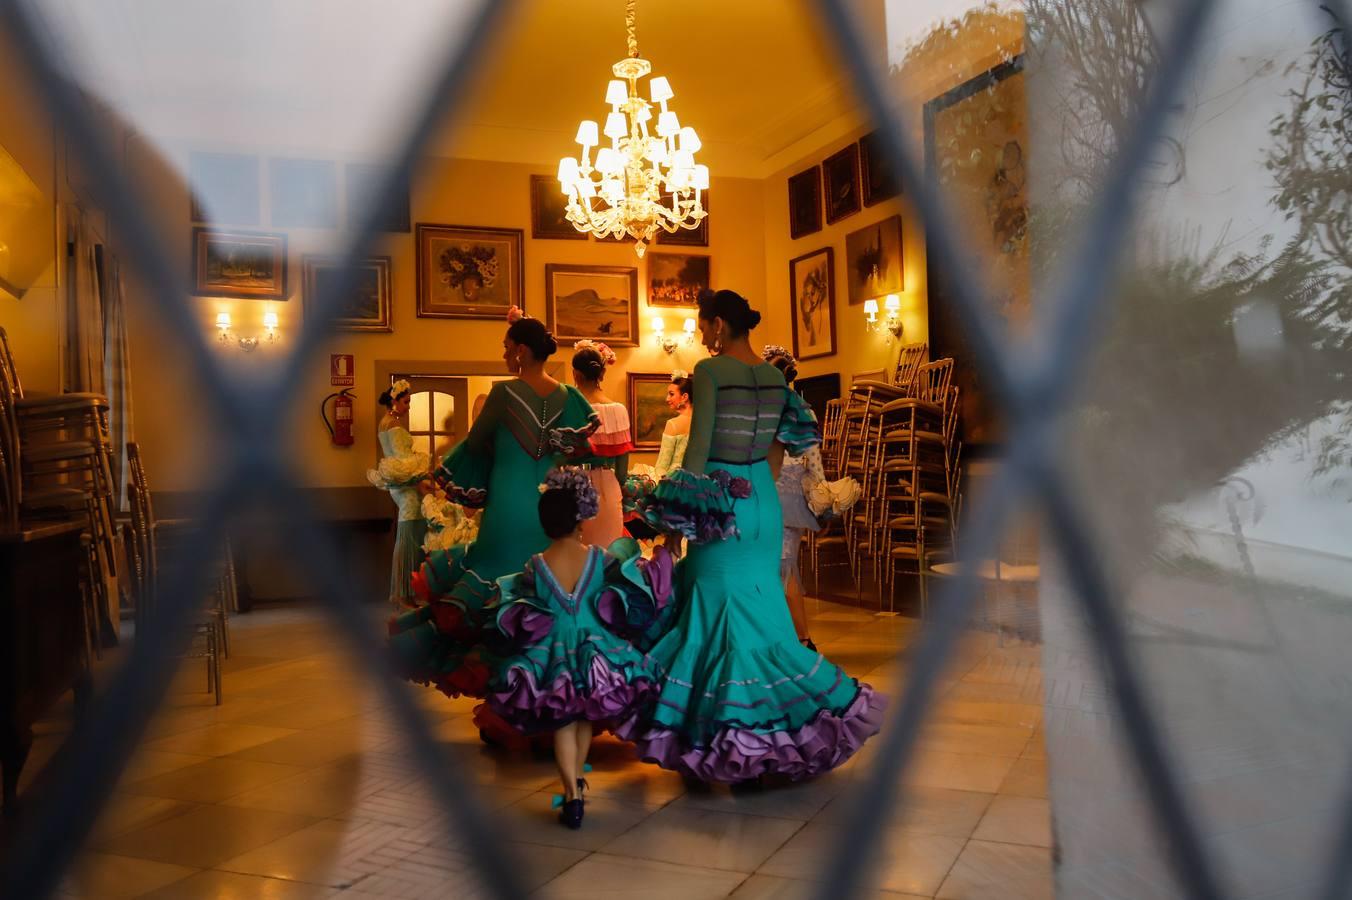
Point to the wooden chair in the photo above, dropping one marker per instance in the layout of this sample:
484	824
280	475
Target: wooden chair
909	360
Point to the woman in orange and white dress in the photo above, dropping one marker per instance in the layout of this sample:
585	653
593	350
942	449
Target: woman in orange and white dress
608	465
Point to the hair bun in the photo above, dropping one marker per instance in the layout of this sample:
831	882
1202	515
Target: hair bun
752	319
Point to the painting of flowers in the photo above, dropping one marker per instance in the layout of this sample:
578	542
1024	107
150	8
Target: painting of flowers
468	273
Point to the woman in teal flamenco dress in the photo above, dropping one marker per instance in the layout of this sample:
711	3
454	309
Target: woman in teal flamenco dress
528	425
740	697
568	615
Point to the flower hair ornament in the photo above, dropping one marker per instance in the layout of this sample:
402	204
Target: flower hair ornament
607	355
400	387
679	375
571	478
514	314
774	351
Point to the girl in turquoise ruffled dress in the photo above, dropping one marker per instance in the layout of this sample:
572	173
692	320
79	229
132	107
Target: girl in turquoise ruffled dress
568	614
739	696
528	425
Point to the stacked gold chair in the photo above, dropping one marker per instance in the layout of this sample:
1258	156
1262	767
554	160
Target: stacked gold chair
909	360
148	540
55	452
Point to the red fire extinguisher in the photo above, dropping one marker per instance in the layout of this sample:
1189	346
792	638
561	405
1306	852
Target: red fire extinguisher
341	429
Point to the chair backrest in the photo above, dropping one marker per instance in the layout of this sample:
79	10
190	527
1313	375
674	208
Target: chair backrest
909	359
8	371
143	528
932	381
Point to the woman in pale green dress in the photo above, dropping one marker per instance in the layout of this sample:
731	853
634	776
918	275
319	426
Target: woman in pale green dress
399	472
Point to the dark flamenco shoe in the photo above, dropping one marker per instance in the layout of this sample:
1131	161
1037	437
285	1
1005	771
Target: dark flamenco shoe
582	788
807	642
571	815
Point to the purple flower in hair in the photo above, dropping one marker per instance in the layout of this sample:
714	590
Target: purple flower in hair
571	478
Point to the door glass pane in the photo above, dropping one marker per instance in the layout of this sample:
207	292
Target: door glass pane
443	407
419	418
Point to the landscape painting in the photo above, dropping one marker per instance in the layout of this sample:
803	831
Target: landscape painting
597	302
239	264
676	279
365	305
648	410
467	272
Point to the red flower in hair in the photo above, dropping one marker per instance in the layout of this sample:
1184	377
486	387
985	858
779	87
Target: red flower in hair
514	314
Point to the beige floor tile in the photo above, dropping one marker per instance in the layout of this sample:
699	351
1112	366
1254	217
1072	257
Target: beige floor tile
413	805
327	792
329	852
148	763
959	771
1036	747
799	801
534	821
219	740
106	876
214	780
907	862
1017	820
987	871
434	873
606	875
1028	778
988	740
215	885
924	810
770	887
988	712
312	748
206	836
701	837
302	714
126	812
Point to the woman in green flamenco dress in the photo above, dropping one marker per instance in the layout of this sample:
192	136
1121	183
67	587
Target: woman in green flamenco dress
528	425
740	697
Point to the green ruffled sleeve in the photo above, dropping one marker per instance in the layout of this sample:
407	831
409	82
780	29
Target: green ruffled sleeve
465	471
571	435
523	618
798	430
639	602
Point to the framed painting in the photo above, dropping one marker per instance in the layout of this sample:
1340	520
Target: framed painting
365	306
250	265
549	211
688	237
877	174
873	260
818	391
805	202
840	171
975	137
648	410
304	193
224	188
364	180
469	273
676	279
812	290
597	302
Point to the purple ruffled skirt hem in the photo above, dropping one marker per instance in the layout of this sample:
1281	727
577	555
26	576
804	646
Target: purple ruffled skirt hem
609	696
739	754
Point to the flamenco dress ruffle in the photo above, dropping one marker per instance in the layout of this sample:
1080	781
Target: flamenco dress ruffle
569	666
740	697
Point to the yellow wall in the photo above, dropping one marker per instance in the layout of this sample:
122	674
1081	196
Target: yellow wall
856	349
456	192
32	322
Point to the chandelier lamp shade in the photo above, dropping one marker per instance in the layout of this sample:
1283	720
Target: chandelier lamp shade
643	179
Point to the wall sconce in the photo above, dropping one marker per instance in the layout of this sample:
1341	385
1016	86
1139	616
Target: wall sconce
669	344
890	323
247	344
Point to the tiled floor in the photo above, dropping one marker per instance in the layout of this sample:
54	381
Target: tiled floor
298	787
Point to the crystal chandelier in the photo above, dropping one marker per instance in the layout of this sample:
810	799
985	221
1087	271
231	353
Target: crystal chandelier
647	178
